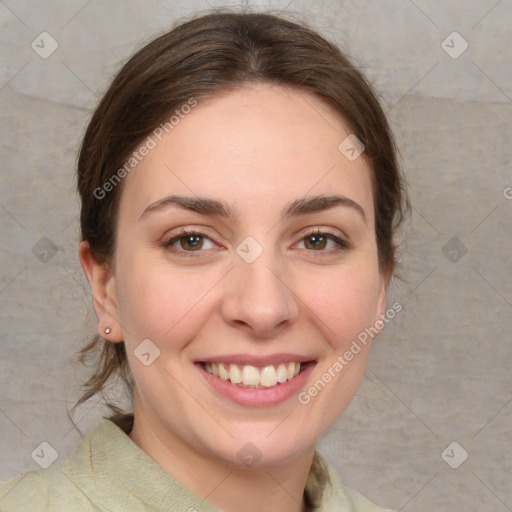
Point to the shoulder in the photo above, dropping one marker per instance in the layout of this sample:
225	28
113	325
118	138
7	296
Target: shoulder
60	486
358	503
340	497
45	490
107	471
29	487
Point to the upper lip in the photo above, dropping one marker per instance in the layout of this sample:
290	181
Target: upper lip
247	359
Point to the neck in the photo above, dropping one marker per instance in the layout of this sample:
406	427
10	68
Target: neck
229	488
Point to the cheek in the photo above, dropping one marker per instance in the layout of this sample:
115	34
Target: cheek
344	303
160	302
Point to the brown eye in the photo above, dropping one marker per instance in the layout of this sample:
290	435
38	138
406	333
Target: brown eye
324	243
315	242
191	242
188	242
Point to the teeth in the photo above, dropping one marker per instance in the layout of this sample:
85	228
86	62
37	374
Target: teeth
235	375
223	374
250	376
268	377
290	370
282	374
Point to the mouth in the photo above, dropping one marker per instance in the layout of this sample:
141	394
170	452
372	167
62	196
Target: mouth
254	377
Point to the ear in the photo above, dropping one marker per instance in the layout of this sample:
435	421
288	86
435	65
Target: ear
104	293
382	297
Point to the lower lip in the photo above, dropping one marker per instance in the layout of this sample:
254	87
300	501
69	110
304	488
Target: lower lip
258	397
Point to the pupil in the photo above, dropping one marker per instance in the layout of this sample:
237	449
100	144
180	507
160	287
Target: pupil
317	241
193	241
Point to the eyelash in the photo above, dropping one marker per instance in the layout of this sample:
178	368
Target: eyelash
342	244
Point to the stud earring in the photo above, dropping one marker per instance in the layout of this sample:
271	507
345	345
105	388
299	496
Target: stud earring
108	330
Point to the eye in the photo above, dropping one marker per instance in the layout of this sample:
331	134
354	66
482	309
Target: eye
188	241
319	241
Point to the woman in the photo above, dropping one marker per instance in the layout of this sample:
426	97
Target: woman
240	194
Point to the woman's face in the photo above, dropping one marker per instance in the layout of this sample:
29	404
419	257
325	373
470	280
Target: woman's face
232	248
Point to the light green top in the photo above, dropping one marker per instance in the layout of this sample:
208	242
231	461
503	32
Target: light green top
109	472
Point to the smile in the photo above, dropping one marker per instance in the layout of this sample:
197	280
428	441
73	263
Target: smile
252	377
256	380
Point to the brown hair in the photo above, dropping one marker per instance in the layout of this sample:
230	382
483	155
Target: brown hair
220	51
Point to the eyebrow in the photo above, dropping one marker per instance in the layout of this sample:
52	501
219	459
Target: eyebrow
206	206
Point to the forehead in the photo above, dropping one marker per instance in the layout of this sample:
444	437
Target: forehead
258	143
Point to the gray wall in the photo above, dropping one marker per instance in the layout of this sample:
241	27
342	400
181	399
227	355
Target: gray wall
439	373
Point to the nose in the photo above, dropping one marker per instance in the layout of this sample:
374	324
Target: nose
258	299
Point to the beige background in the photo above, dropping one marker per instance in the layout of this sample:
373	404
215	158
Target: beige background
440	372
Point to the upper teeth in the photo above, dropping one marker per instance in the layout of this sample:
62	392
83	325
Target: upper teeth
251	376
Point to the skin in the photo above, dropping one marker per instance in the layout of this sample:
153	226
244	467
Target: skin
258	146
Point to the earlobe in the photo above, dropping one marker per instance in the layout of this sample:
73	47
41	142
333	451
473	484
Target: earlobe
104	293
